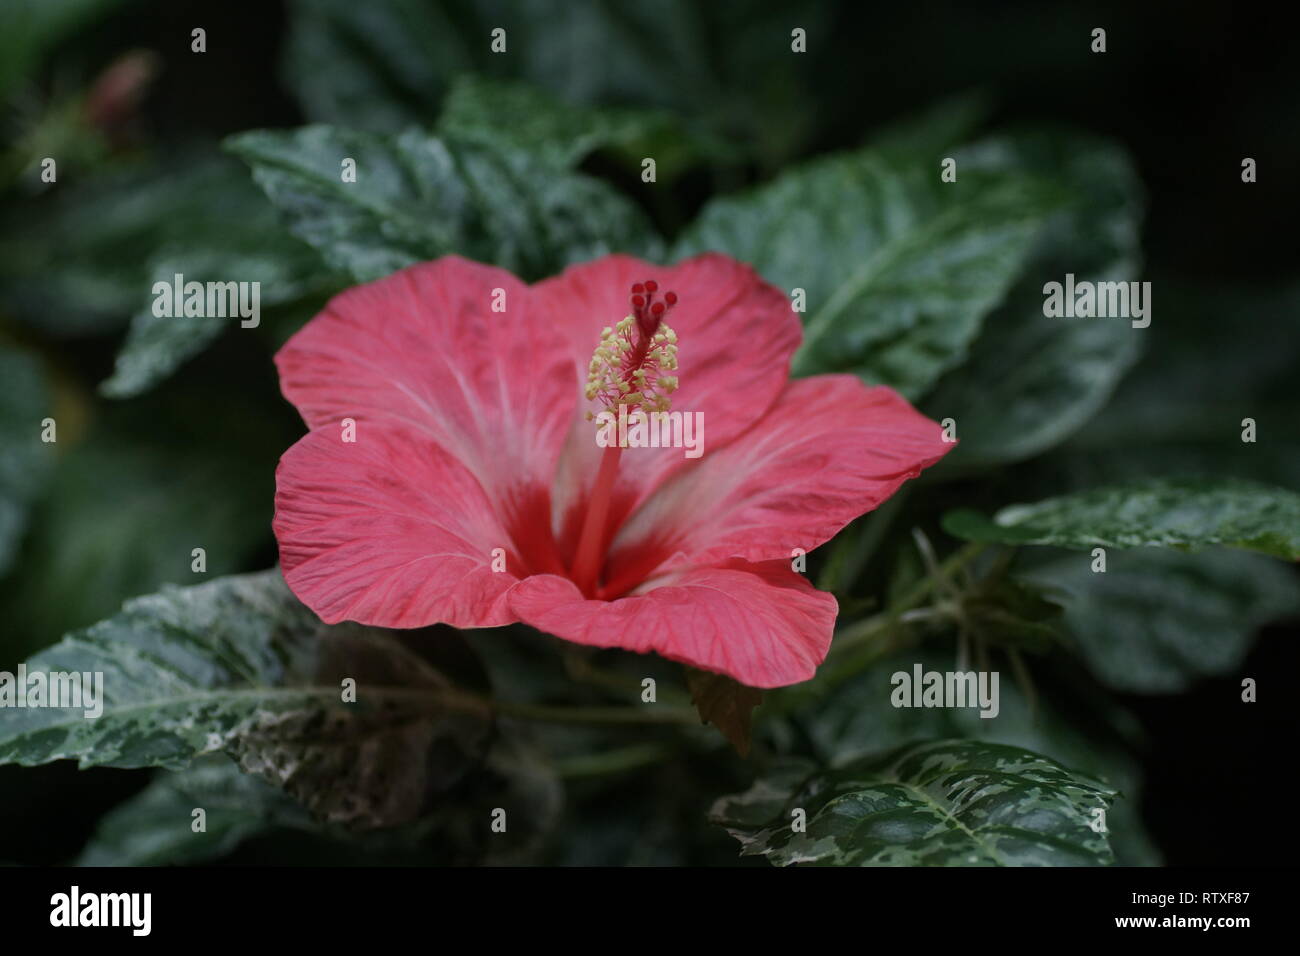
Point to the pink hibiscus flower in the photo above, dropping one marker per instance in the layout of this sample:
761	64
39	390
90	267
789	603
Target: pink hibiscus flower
475	492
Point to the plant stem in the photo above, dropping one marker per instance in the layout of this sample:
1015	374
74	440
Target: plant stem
612	761
857	633
579	667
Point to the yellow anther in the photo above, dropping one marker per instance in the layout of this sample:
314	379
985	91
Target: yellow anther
627	370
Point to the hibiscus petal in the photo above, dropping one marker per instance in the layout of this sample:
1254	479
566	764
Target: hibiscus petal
389	530
829	450
736	335
423	347
761	624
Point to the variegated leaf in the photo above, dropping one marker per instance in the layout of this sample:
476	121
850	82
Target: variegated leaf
239	665
1183	513
942	803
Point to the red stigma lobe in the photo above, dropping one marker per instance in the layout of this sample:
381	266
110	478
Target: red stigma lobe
647	312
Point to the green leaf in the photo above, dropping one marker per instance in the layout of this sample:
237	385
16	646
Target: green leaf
725	703
1164	419
30	28
83	259
1064	718
126	505
726	69
156	346
1156	621
379	67
24	459
898	267
941	126
1033	380
943	803
418	197
155	827
514	116
239	665
1186	513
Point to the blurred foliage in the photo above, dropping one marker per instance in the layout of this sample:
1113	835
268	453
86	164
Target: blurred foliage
31	28
1029	384
24	458
387	66
169	429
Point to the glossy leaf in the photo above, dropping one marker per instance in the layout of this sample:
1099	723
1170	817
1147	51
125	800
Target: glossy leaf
1033	380
1186	513
1062	717
239	665
898	268
943	803
418	197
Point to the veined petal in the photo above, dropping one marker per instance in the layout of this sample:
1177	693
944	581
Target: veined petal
761	624
829	450
390	530
425	348
736	335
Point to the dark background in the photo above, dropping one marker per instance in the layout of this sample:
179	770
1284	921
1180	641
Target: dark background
1189	89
